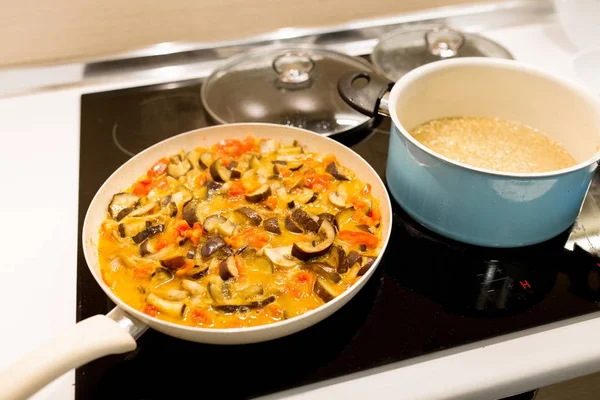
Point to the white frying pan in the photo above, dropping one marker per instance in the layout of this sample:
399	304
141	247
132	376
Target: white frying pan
117	332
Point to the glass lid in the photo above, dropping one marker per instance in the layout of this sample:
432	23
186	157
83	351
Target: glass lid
401	51
294	86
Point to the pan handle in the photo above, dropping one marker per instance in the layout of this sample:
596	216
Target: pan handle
92	338
366	92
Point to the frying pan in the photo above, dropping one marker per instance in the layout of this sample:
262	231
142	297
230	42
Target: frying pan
117	332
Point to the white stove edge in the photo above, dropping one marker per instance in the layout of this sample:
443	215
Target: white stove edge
41	155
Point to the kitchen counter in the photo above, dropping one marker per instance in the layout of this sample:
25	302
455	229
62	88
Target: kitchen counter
38	285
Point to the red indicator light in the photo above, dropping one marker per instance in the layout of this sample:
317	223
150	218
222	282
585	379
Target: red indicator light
525	284
598	264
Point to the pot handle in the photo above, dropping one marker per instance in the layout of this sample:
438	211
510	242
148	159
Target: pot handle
366	92
85	341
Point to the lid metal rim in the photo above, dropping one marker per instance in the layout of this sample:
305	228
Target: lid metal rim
422	27
266	49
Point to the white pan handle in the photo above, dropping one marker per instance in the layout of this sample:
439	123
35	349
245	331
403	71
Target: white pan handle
86	341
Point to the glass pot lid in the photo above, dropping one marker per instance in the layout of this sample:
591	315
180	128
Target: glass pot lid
294	86
403	50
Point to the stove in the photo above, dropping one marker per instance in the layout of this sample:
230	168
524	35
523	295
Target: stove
429	293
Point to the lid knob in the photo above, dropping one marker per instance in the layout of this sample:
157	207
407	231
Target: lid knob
293	66
444	42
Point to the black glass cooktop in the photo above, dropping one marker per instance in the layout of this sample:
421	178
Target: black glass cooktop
428	294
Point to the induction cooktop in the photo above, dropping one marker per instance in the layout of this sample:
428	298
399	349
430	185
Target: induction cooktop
428	294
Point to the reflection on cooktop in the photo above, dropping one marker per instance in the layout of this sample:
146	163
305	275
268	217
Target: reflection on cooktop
428	294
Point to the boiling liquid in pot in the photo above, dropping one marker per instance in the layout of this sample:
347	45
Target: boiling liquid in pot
493	143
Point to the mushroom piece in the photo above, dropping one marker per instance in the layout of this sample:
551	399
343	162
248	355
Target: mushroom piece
251	215
122	204
219	172
333	170
160	276
178	166
174	295
227	228
194	288
146	248
343	217
281	256
173	308
295	165
131	228
194	158
352	258
307	250
259	194
338	256
272	225
212	245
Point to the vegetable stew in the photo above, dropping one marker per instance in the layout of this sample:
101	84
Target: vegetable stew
244	233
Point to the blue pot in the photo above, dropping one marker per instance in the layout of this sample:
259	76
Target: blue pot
474	205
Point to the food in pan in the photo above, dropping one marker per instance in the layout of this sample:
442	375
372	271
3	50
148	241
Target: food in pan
244	233
494	144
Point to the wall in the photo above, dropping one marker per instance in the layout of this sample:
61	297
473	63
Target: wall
47	31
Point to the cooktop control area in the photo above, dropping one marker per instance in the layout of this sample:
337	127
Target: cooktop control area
428	294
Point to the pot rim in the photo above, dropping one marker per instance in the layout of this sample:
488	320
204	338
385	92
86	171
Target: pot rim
423	71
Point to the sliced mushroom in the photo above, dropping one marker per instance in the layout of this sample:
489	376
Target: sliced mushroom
281	256
178	167
333	170
279	162
181	197
369	261
291	225
251	215
307	250
215	289
191	254
338	198
212	245
219	172
302	218
366	228
174	295
323	270
260	194
325	290
231	308
272	225
212	222
122	204
173	308
193	288
148	233
228	268
205	160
